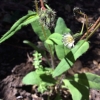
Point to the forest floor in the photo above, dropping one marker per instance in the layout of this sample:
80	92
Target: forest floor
14	62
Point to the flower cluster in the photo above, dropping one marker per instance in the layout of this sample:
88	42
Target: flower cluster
68	40
47	18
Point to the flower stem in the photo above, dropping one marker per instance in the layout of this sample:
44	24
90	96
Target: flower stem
50	50
52	57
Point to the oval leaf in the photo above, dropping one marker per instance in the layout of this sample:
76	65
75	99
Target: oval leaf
67	62
32	78
61	51
42	32
61	27
87	79
56	38
78	91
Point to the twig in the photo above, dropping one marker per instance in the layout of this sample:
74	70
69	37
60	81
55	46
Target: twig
42	5
97	26
91	28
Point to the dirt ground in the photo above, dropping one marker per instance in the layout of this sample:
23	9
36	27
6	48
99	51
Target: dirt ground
14	62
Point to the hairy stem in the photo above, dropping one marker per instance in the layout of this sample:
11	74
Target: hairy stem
51	55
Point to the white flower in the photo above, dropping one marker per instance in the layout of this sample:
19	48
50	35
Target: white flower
68	40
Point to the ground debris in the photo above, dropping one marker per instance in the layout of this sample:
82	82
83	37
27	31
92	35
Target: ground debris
11	86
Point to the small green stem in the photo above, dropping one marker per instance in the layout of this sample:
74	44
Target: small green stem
93	31
82	29
44	33
48	7
79	34
36	6
51	55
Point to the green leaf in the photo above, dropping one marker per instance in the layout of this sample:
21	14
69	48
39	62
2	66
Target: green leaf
48	79
25	20
54	38
87	79
61	68
61	27
42	87
67	62
78	91
42	32
48	41
80	48
39	76
61	51
49	47
32	78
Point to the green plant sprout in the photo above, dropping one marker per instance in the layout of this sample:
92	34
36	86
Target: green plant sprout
60	44
37	59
